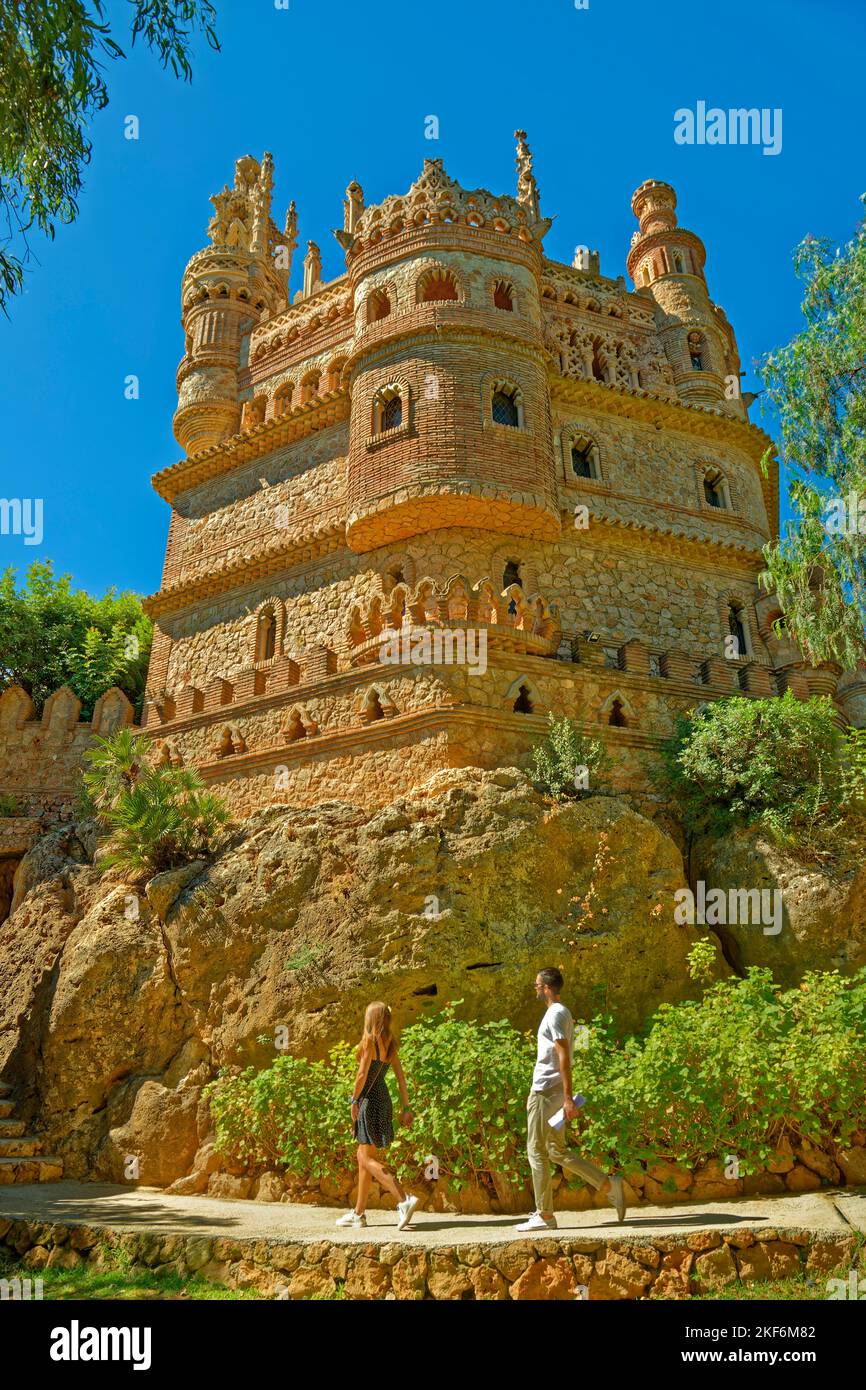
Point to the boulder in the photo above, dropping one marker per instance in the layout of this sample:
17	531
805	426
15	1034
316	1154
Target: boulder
823	909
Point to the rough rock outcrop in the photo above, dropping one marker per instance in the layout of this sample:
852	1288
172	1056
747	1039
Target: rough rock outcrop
118	1003
823	920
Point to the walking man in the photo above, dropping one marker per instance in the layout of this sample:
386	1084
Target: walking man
551	1090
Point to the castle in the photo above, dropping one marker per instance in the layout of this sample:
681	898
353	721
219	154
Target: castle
456	447
459	436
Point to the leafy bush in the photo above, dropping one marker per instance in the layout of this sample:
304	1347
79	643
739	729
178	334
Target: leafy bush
731	1073
158	817
8	806
783	764
566	749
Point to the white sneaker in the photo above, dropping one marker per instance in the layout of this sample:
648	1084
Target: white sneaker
537	1222
406	1211
352	1218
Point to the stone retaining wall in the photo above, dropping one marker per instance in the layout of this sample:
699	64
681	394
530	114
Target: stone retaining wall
672	1266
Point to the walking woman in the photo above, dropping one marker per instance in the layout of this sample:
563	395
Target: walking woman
372	1117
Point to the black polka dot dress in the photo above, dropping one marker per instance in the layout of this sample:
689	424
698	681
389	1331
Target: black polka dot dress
375	1122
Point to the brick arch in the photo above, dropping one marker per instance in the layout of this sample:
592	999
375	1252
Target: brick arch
434	270
278	608
492	286
372	292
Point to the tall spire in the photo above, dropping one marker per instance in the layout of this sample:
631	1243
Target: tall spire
527	188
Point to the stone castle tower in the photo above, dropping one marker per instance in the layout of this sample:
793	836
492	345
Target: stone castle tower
455	489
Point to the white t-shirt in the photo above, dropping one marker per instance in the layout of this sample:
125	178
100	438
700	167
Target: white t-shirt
556	1026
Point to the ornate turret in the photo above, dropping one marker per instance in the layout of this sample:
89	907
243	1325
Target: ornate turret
228	287
668	261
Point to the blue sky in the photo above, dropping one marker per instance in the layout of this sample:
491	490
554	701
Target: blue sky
341	91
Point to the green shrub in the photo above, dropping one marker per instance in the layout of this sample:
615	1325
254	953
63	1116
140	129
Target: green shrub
158	818
569	763
731	1073
783	764
8	806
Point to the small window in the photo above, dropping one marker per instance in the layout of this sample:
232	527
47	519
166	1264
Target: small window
714	489
583	457
266	636
387	410
503	297
373	706
378	306
512	574
523	703
392	413
617	717
310	387
437	287
504	409
737	629
697	351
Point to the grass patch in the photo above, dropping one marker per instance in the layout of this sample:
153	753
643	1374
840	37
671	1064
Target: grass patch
119	1281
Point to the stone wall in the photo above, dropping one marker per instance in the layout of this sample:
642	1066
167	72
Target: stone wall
40	759
406	1268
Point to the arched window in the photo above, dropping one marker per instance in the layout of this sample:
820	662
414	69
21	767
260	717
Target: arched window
504	409
617	718
387	409
646	275
523	703
511	574
378	306
715	489
583	456
597	364
737	627
437	286
310	387
503	296
334	374
283	399
266	635
697	352
373	706
678	263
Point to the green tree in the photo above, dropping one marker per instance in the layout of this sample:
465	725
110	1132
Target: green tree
53	635
158	818
52	58
784	764
817	385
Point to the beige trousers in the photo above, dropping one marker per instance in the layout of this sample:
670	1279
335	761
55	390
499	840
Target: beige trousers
546	1145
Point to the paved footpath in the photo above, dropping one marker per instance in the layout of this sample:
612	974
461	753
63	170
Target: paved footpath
831	1213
